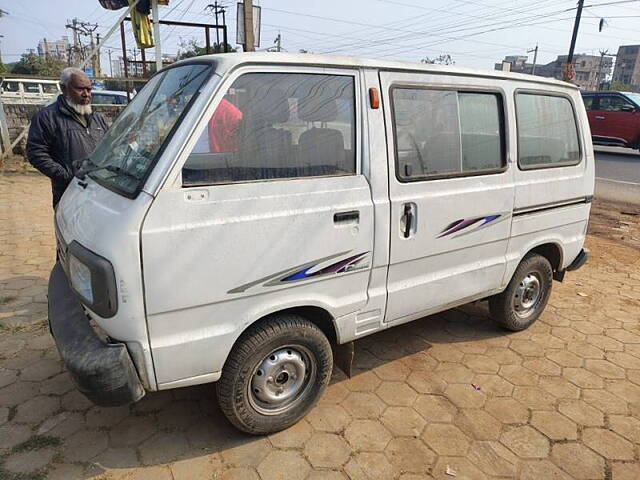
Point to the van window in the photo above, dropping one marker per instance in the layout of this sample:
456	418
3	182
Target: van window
13	87
547	131
276	125
31	87
588	102
447	133
49	87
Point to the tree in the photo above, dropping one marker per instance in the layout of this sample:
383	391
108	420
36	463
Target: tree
191	48
620	86
32	64
444	59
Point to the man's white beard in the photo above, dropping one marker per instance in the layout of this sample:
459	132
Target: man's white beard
79	108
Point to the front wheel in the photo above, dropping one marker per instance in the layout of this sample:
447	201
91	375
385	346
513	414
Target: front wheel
274	374
526	296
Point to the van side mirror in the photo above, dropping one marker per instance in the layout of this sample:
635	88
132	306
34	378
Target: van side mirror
627	108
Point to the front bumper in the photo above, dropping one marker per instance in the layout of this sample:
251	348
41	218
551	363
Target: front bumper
103	372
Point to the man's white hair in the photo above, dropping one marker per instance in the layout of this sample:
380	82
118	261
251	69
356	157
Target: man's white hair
68	73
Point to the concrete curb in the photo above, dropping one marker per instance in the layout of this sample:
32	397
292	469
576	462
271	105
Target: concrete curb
617	191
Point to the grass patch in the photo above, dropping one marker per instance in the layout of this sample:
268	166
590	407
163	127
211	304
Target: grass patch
36	443
7	299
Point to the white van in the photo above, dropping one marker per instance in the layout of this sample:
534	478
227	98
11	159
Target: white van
28	90
248	215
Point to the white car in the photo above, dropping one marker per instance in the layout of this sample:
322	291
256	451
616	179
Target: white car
247	215
108	97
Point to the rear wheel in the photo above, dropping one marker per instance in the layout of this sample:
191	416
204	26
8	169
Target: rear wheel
526	296
275	373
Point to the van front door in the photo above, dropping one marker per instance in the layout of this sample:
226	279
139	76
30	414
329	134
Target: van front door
450	189
270	212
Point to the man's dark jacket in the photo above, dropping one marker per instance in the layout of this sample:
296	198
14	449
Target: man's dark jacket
59	139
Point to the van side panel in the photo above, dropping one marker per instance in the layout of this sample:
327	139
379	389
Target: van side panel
552	205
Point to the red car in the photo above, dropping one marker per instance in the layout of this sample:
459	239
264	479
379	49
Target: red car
614	118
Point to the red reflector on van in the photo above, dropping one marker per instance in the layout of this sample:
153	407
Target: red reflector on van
374	97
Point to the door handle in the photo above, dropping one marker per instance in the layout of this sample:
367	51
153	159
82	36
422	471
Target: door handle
352	216
408	219
598	117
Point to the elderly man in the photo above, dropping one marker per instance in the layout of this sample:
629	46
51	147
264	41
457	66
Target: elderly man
66	132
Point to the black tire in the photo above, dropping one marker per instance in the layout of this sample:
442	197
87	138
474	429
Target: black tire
508	308
288	347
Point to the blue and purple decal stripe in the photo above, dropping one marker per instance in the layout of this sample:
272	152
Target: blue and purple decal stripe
459	225
306	271
338	267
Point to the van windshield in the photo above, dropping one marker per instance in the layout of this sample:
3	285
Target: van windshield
126	154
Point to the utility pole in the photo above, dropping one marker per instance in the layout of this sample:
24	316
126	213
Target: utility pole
535	58
567	75
98	70
248	26
602	54
278	42
110	64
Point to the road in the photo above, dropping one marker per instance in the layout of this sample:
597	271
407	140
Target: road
619	164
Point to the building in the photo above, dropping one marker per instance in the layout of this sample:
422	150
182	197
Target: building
518	63
57	48
627	68
591	70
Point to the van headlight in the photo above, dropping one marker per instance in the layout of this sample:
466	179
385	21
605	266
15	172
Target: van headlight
92	278
80	277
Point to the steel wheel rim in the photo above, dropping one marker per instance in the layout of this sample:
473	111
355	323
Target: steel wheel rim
527	295
281	379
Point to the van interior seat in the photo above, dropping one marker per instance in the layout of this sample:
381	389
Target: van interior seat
265	149
320	149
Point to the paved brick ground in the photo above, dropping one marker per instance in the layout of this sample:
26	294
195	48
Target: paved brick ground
561	400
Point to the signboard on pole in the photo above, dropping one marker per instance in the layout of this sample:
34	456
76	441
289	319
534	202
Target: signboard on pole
240	24
88	71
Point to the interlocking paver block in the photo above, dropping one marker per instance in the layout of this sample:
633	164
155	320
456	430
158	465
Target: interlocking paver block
329	418
363	405
493	458
608	444
410	455
397	394
525	442
284	465
30	461
292	437
445	439
84	445
582	413
367	435
541	469
507	410
628	427
327	450
248	453
554	425
478	424
403	421
578	461
371	465
435	408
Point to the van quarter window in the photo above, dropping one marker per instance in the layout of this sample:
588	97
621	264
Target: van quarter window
49	87
447	133
272	126
547	132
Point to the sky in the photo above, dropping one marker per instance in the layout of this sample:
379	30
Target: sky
476	33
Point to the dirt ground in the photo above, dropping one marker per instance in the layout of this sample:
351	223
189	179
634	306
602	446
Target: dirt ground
450	396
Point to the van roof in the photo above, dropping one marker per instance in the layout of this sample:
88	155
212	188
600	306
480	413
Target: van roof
230	60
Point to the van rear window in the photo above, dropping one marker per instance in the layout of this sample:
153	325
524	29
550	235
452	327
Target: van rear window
273	126
443	133
547	131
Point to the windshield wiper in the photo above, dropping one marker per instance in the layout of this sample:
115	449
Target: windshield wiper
85	167
118	170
